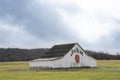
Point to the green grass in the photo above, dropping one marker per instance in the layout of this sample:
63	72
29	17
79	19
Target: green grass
106	70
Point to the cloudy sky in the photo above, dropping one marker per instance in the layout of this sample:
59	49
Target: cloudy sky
94	24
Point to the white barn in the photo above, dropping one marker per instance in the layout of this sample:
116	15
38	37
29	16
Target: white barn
64	56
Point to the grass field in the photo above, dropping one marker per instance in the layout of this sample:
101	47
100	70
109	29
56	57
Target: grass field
106	70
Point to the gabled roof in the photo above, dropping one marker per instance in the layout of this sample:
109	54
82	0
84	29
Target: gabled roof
58	50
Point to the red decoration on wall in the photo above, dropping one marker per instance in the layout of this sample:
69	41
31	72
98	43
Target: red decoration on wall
77	58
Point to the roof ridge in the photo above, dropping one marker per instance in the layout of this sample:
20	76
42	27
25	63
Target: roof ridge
65	44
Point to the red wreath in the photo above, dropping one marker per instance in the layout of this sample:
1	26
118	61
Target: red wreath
77	58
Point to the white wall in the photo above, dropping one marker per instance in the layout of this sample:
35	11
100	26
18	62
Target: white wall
67	61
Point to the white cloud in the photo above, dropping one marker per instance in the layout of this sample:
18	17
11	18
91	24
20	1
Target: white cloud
53	1
89	27
94	20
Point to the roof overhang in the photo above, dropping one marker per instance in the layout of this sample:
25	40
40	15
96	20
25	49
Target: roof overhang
45	59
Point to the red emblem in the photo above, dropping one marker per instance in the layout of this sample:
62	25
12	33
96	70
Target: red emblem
77	58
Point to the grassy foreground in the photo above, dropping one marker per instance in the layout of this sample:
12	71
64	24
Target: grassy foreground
107	70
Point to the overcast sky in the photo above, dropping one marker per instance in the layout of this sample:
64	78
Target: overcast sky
94	24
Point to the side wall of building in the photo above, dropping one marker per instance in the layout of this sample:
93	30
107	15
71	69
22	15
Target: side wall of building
74	58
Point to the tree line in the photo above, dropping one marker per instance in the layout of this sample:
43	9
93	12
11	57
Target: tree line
103	55
16	54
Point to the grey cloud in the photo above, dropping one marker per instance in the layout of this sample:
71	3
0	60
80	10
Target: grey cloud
39	20
47	22
14	9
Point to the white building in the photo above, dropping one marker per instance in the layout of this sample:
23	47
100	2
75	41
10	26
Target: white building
64	56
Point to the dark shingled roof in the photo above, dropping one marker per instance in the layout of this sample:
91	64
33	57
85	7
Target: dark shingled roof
58	50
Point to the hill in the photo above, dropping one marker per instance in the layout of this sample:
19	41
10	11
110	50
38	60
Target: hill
16	54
